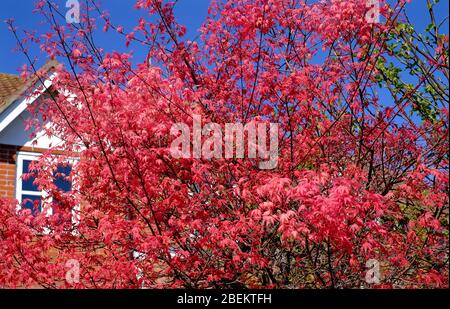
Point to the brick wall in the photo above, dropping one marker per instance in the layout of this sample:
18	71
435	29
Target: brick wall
7	171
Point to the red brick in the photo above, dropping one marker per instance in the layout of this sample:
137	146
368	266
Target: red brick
7	171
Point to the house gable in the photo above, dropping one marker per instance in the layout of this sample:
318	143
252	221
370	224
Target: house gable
14	138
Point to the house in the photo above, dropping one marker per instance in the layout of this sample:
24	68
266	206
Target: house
17	148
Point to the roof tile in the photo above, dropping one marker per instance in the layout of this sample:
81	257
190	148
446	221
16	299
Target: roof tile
9	83
13	86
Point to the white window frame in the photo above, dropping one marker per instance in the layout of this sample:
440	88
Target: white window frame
34	156
20	157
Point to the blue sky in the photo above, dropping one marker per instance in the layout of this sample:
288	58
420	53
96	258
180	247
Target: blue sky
191	13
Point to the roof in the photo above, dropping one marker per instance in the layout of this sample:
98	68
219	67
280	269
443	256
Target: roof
13	86
9	84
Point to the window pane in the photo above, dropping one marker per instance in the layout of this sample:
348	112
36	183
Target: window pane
27	184
32	202
60	178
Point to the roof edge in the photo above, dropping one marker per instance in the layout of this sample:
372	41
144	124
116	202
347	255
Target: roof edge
47	67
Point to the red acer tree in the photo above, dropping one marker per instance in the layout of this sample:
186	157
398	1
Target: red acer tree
359	195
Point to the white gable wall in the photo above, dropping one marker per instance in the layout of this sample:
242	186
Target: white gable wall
15	134
12	122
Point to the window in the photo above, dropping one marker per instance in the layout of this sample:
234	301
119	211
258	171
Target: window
27	192
61	182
